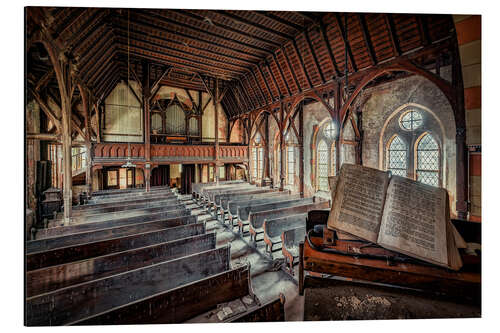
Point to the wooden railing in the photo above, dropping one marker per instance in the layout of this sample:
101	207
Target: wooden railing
182	153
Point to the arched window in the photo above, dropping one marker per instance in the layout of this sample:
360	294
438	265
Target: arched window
322	166
428	167
413	148
257	157
397	157
325	155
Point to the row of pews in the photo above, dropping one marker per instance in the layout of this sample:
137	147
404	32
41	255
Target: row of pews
132	257
277	218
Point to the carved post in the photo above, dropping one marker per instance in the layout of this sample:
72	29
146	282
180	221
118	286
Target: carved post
216	112
88	146
462	199
146	96
301	150
282	147
266	150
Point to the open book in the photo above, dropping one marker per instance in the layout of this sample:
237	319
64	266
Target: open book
396	213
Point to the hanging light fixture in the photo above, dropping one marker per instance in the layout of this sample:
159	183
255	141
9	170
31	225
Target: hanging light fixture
129	163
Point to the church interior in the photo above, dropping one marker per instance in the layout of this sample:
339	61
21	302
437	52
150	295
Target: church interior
181	165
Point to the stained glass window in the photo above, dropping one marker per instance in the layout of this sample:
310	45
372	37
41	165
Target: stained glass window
396	159
291	165
330	131
322	166
411	120
428	161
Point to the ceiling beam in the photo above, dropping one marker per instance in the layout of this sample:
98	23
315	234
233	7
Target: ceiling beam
392	34
367	39
326	41
275	58
289	64
294	43
345	42
315	58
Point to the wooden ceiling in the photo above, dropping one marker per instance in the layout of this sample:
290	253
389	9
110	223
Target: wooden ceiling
259	56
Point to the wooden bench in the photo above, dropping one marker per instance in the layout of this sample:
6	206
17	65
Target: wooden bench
124	202
111	231
75	303
128	190
273	228
208	192
256	219
133	212
235	206
195	302
55	277
125	206
131	196
290	240
248	216
224	201
213	196
197	187
135	236
76	228
219	198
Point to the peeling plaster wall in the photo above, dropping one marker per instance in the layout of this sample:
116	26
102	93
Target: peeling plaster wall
379	103
237	132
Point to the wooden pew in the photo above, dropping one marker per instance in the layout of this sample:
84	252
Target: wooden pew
74	303
256	218
128	190
55	277
224	202
290	240
273	228
197	187
195	302
125	206
235	206
211	202
218	198
136	212
130	196
247	215
205	194
76	228
136	236
123	202
112	231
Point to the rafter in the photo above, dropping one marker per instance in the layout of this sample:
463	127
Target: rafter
392	34
367	39
325	39
345	42
303	67
315	58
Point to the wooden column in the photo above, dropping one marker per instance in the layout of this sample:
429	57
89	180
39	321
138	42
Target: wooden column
216	122
266	150
146	96
301	151
282	148
88	145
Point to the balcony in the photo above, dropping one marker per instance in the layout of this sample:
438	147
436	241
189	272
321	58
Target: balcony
112	153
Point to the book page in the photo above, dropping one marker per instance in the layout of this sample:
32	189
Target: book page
414	220
359	200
